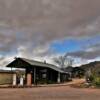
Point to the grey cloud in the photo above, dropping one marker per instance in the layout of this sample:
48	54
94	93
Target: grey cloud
33	23
7	41
51	16
95	46
85	55
91	52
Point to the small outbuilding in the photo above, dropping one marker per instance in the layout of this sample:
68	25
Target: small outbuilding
6	77
39	72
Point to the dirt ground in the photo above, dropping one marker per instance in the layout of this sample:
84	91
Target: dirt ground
49	93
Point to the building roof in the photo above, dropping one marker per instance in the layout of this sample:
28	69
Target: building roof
34	63
7	71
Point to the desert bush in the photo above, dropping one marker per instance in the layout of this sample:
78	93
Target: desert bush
96	81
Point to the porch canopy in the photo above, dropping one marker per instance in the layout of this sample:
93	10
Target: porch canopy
27	63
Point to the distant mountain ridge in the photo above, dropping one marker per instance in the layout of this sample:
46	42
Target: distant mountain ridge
91	65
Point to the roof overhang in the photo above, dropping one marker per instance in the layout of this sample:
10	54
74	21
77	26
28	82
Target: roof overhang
26	63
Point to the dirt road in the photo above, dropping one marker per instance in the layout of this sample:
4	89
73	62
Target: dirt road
49	93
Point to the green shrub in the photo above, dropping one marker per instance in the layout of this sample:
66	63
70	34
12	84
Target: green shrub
96	81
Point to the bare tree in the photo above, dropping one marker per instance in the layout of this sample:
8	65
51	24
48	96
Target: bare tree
63	61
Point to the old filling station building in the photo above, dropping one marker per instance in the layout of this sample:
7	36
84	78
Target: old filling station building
39	72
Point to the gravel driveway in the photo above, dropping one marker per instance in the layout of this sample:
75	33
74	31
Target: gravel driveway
49	93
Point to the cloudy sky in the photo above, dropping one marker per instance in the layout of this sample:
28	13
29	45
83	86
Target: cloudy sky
43	29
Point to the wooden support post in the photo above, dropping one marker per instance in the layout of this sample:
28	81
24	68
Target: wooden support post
21	81
34	75
29	79
59	80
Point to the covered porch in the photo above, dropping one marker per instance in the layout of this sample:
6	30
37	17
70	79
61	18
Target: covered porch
38	72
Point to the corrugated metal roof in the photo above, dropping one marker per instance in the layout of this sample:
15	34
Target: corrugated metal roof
40	64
